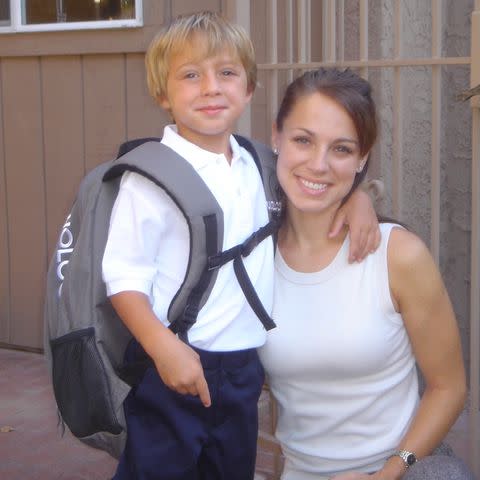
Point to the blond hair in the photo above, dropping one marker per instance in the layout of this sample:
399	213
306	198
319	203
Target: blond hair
218	33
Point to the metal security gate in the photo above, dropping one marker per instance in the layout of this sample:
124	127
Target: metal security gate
418	55
475	249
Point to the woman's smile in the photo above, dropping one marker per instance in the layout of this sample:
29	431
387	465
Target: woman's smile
311	185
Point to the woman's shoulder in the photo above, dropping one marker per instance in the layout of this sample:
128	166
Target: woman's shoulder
407	253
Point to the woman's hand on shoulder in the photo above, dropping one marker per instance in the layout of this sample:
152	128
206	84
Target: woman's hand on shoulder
360	216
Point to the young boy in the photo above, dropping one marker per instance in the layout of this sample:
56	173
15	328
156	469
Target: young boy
202	70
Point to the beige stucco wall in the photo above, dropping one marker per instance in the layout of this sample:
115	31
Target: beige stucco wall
416	126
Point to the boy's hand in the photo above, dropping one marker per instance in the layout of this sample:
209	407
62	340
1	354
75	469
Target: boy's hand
177	364
358	213
180	369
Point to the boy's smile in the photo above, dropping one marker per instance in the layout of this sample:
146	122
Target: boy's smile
206	94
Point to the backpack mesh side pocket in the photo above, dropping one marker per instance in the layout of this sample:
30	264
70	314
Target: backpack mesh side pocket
79	375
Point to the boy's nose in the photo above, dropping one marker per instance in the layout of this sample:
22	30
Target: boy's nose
210	84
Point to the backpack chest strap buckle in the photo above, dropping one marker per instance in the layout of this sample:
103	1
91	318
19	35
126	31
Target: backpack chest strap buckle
243	249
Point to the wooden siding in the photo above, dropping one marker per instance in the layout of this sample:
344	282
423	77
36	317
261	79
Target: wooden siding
25	195
67	100
4	259
63	135
62	115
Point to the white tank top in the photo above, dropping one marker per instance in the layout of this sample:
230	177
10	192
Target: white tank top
340	365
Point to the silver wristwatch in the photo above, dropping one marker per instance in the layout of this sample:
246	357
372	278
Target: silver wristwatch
408	457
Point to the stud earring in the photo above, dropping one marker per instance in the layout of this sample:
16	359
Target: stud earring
275	150
360	167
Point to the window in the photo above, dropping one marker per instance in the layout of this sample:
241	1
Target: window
47	15
4	13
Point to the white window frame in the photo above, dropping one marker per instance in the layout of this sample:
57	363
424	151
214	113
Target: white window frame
16	25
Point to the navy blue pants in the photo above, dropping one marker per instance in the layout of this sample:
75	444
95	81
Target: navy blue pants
174	437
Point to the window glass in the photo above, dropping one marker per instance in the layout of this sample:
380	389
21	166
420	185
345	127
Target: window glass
59	11
4	13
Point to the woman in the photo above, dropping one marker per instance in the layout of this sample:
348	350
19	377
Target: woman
342	362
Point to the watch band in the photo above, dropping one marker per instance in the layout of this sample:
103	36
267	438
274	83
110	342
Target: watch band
409	458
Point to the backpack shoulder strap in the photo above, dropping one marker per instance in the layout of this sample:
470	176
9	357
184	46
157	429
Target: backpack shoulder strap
266	163
204	217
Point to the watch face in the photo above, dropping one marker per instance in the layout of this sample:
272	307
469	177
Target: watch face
411	459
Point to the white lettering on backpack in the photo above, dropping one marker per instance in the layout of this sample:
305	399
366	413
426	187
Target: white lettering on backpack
274	206
65	243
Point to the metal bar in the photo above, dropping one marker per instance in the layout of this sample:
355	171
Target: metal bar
329	37
341	30
289	18
397	144
301	28
240	13
398	62
364	37
475	251
273	48
308	29
436	130
474	298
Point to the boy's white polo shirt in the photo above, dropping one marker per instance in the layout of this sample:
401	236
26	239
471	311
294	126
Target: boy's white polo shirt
148	245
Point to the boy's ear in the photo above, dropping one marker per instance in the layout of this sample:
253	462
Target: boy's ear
162	100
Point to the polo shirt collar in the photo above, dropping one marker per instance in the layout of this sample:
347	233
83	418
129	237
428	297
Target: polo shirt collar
196	156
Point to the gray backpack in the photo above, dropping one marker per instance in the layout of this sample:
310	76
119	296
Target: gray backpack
85	340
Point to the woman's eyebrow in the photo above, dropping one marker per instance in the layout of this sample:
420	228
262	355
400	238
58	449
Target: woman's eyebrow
337	140
346	139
